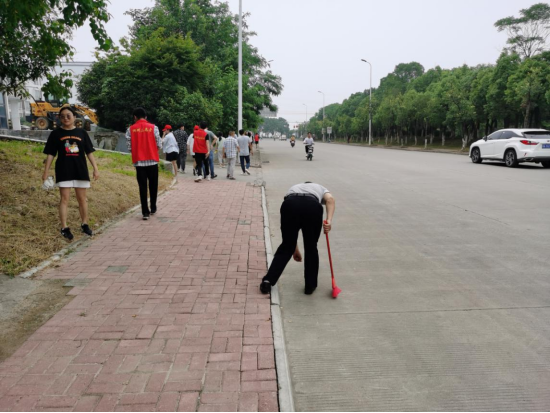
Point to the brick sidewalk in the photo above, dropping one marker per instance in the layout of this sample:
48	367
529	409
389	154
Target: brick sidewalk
166	316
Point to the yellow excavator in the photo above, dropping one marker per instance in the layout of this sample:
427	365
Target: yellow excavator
45	115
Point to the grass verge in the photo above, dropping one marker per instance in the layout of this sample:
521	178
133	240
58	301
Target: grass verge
29	220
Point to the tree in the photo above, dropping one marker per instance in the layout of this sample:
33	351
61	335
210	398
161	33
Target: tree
498	107
272	125
34	37
214	29
527	34
190	109
161	68
527	87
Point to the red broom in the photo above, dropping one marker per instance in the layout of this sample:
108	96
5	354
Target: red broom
335	289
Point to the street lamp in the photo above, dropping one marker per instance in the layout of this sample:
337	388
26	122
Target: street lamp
323	128
306	117
370	103
240	114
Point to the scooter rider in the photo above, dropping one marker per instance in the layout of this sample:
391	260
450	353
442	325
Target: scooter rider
302	209
292	141
308	141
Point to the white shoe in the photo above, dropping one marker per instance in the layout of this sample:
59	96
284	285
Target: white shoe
198	178
242	173
247	172
208	178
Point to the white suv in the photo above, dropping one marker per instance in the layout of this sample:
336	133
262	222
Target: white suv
513	146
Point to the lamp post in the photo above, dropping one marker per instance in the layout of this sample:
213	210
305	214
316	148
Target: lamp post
240	114
323	127
305	125
370	103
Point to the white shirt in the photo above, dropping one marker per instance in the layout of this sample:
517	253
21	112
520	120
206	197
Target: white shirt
310	188
190	141
308	141
243	142
169	144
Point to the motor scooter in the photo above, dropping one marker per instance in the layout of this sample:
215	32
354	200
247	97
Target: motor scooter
309	155
292	143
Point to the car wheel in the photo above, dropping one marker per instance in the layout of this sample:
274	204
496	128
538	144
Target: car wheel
476	156
545	164
510	158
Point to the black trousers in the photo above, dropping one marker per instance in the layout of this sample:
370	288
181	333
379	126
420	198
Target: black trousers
148	175
201	160
182	156
298	213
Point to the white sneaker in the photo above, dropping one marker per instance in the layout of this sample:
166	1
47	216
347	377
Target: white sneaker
247	172
208	178
242	173
198	178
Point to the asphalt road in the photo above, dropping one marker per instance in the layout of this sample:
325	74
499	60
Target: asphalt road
444	267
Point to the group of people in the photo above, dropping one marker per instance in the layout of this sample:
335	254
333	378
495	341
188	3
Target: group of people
204	146
301	209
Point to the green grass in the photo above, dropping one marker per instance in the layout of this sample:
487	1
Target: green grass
23	203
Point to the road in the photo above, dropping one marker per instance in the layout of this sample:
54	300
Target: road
446	288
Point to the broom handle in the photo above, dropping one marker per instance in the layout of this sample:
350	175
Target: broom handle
330	259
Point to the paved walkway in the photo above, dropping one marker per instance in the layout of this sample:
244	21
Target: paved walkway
166	316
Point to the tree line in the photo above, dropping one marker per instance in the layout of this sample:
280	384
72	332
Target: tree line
463	103
180	62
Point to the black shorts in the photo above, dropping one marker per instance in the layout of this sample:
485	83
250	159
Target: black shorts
172	156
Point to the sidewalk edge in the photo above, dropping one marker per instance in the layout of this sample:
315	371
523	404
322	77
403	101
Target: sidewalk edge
83	241
286	401
406	148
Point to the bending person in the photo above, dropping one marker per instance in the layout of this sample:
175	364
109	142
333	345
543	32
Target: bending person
302	209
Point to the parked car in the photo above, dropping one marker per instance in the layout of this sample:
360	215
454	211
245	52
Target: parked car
513	146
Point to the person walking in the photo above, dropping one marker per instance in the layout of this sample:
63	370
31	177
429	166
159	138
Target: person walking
190	142
245	150
201	147
221	162
230	148
213	145
181	138
143	140
257	140
302	209
71	145
170	148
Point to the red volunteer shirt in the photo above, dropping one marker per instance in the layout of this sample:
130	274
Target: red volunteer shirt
199	141
144	143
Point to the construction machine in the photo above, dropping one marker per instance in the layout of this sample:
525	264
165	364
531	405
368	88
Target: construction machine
46	114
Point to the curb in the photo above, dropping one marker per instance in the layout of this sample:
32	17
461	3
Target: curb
286	401
80	243
406	149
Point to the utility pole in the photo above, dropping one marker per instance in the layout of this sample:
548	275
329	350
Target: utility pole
323	127
305	124
370	103
240	115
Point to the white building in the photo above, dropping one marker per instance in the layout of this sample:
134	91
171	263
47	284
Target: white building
17	108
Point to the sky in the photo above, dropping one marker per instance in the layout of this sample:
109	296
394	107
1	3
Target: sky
317	45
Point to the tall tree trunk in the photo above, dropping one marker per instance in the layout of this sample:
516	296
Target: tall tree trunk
527	111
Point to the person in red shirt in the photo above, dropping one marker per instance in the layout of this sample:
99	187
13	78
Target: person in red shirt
257	140
201	147
143	140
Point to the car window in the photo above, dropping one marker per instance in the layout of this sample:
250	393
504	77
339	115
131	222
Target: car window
537	134
507	134
494	135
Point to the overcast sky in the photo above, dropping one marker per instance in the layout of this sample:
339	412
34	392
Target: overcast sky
317	45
